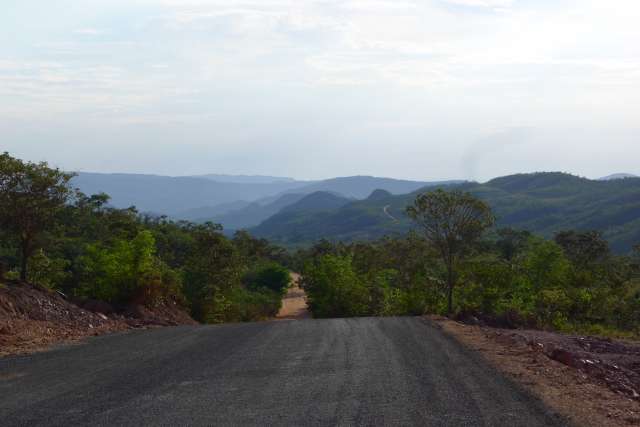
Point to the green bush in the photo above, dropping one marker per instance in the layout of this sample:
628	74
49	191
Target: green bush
269	276
127	271
46	271
334	289
254	305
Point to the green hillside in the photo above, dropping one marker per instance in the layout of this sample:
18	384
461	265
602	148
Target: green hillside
297	219
543	203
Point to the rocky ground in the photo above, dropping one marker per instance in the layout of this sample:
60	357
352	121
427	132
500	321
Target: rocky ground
592	381
33	318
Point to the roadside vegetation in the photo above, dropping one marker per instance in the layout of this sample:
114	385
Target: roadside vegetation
460	265
54	236
456	262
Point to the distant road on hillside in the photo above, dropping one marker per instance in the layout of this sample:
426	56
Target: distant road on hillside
367	371
387	213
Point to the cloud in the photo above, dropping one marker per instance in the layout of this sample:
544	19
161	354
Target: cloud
241	71
88	32
492	4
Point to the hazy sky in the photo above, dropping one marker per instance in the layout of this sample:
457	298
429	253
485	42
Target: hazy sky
429	89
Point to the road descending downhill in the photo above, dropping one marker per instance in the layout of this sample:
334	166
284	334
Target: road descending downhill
294	304
365	371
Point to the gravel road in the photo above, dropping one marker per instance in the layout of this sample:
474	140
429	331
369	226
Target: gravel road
367	371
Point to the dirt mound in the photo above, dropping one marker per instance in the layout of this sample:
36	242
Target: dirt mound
160	315
33	317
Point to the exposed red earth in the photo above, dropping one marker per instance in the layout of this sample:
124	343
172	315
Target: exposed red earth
593	381
294	304
33	318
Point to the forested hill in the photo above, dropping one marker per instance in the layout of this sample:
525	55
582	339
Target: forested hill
220	199
543	203
360	187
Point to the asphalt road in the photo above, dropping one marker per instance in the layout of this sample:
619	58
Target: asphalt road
392	371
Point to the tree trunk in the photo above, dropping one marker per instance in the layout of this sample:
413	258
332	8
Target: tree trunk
24	262
450	296
450	284
23	267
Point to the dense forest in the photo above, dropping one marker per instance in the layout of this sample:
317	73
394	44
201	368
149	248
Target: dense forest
58	237
505	278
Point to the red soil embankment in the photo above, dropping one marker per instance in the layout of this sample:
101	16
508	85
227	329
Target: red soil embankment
33	318
592	381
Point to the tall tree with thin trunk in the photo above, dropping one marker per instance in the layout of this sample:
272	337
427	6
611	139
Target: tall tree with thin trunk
31	195
452	221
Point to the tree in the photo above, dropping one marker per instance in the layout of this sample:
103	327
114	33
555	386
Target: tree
270	275
334	288
452	221
512	242
31	195
583	248
212	271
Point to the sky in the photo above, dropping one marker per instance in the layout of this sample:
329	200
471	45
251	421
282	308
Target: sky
431	89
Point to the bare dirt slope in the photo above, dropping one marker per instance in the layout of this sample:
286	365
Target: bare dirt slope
33	318
294	304
592	381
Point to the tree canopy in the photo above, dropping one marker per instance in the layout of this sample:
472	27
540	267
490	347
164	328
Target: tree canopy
31	196
452	221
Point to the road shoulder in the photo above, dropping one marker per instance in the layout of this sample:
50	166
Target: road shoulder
567	390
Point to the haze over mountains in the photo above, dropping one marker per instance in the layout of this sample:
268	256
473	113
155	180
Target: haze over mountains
295	212
542	203
245	179
174	195
618	176
236	202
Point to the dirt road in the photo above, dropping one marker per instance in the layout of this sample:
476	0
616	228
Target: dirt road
387	213
294	304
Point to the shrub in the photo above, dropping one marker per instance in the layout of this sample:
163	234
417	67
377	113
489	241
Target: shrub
270	276
127	271
49	272
334	289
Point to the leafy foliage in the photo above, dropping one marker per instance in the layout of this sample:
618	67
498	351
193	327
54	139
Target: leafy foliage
452	221
271	276
30	196
79	245
508	278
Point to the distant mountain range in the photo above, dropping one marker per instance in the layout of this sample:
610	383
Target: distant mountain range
174	196
361	207
618	176
246	179
543	203
234	201
350	189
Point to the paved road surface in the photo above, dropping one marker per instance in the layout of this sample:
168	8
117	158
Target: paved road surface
394	371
